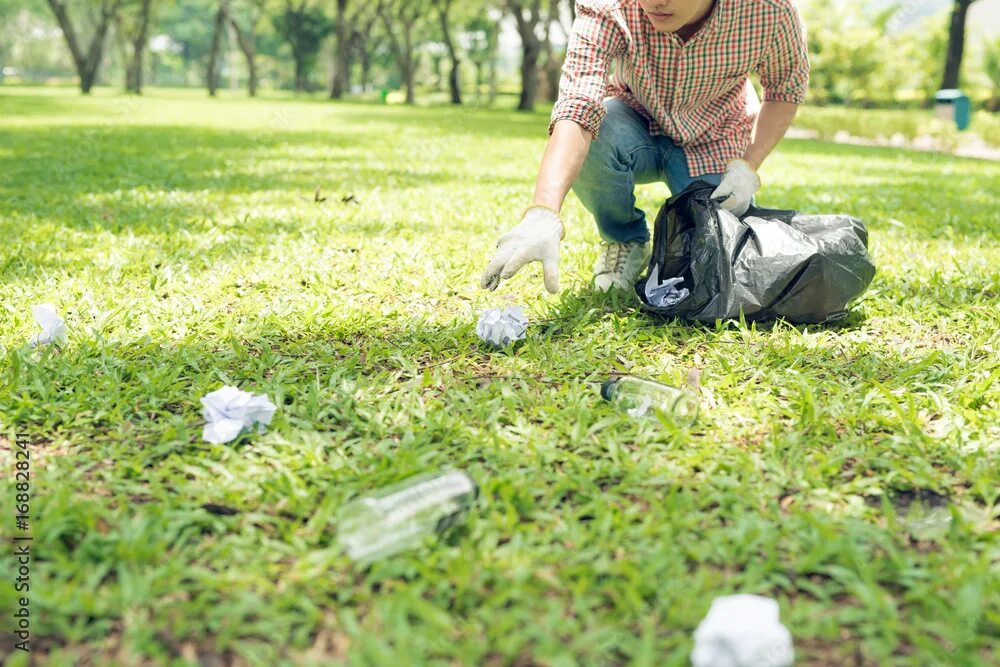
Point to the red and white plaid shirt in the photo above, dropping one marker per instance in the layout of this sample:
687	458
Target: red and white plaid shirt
696	92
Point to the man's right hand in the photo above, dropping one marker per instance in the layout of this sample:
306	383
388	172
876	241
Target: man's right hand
535	239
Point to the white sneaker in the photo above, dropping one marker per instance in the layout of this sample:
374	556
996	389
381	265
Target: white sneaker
620	264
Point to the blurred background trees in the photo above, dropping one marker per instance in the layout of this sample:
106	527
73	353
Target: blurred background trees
875	53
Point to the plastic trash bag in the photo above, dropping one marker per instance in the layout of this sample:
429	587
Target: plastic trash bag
769	264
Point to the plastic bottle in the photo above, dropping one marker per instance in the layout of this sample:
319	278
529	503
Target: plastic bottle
401	515
640	397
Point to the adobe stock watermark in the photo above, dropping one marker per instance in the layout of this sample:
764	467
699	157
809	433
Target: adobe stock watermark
21	543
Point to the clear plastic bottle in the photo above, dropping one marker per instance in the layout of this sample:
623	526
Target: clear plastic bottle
640	397
401	515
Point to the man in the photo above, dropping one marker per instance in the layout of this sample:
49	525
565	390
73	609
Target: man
680	108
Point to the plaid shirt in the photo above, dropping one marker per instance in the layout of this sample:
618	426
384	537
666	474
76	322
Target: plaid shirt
697	93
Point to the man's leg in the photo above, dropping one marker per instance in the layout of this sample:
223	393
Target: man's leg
623	155
675	167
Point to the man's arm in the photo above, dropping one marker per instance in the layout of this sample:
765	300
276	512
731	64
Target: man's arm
574	123
772	123
564	155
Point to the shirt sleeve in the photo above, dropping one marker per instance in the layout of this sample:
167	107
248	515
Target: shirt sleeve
595	41
784	70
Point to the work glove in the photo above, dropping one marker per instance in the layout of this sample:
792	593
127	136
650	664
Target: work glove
535	239
739	184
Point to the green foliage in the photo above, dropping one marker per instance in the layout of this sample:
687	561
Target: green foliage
987	126
991	65
923	50
185	243
846	51
304	26
857	59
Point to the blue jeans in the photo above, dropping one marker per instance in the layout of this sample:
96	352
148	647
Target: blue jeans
625	155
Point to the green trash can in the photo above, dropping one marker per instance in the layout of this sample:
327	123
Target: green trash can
953	106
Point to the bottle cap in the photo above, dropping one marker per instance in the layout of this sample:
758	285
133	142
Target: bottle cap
606	389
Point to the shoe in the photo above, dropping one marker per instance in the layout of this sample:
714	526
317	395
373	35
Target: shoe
620	264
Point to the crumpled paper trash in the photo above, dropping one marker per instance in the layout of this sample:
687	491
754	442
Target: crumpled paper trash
665	294
742	631
230	410
502	326
53	326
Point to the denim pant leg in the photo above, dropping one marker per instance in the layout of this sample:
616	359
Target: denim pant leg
623	155
675	166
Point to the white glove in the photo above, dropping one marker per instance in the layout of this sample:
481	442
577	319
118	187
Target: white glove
739	184
535	239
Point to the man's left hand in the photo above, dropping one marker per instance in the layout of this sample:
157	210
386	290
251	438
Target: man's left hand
739	184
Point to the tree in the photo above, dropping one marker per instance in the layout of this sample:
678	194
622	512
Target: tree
87	62
341	51
400	19
133	28
304	27
956	44
219	25
245	19
529	20
361	42
483	34
444	8
552	69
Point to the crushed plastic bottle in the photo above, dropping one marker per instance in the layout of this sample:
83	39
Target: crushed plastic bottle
640	397
401	515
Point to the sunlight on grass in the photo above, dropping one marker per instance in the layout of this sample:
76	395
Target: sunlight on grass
328	255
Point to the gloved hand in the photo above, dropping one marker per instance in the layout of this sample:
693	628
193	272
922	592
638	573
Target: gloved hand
535	239
739	184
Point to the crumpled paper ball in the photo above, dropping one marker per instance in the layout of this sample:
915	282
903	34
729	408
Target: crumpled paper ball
665	294
229	411
53	326
742	631
501	327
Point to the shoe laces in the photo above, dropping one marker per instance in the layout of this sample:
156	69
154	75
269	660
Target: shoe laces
615	255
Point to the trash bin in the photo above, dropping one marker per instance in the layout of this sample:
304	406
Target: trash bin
953	106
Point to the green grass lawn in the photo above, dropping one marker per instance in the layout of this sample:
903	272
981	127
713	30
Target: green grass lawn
184	242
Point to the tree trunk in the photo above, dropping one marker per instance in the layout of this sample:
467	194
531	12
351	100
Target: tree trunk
493	79
301	84
453	82
340	81
134	68
956	44
529	74
552	69
247	42
366	67
531	47
212	78
252	75
402	52
86	64
408	75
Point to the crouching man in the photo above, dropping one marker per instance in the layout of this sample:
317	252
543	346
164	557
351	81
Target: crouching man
679	107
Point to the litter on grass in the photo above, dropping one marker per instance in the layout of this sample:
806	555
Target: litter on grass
229	411
666	294
53	326
501	327
742	631
402	515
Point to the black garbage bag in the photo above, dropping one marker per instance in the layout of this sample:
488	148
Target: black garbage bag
769	264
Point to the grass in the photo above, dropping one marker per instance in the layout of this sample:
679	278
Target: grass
184	242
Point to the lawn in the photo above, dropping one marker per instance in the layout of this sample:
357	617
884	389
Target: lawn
328	255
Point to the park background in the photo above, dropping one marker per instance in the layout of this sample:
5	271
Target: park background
321	241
